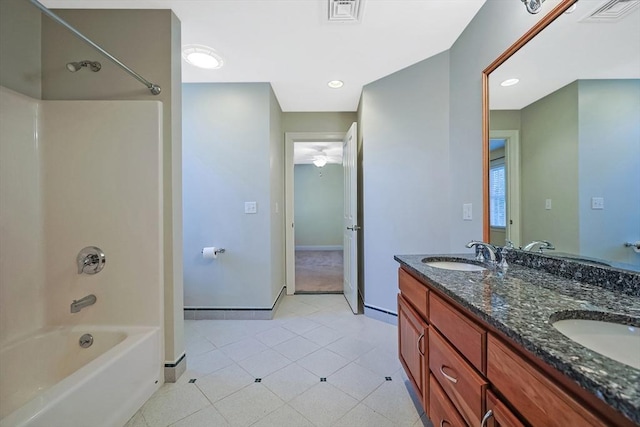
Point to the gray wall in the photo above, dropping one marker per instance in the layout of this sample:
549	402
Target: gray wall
317	122
20	33
318	205
549	169
231	157
405	135
495	27
276	203
609	167
417	174
504	120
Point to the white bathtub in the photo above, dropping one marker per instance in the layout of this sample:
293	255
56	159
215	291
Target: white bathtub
48	380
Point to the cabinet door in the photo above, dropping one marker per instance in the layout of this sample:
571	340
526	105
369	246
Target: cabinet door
412	348
498	415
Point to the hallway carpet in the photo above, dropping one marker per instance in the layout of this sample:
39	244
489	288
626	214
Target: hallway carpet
319	271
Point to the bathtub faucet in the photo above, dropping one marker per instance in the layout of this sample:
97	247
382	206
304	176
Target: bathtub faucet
78	305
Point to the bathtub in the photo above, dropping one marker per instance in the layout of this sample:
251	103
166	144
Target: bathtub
48	380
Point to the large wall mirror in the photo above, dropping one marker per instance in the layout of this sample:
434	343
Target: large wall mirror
562	146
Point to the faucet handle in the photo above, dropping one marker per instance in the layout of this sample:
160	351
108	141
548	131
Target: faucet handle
93	257
548	245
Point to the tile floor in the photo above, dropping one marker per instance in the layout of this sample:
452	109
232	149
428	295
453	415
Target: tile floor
314	364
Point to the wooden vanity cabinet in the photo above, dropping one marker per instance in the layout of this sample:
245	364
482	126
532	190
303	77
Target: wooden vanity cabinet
462	367
412	348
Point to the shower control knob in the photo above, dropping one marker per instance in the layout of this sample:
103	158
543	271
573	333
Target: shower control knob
91	260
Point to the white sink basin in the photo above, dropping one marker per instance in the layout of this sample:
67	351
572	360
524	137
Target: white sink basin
616	341
454	265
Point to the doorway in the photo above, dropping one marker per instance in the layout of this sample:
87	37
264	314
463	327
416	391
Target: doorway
349	229
318	205
504	187
314	256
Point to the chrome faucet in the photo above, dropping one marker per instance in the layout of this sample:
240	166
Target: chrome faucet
543	244
486	251
78	305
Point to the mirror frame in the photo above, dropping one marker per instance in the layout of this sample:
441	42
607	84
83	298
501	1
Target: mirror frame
528	36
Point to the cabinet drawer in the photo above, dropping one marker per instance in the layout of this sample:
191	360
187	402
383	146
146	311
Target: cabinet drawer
501	416
469	338
538	399
441	410
462	384
414	292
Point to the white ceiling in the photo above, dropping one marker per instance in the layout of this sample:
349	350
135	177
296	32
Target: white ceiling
568	50
291	44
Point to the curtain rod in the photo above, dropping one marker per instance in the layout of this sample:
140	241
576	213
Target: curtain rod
154	88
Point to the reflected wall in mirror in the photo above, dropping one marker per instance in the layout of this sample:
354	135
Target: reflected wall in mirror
563	144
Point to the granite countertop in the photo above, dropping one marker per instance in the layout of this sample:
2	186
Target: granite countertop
520	301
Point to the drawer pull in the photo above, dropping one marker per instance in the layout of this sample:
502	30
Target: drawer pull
442	423
486	417
449	377
418	343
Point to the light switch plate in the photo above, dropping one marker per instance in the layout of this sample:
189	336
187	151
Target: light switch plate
250	207
547	204
597	203
467	212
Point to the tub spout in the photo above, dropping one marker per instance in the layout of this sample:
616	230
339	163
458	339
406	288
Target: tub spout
78	305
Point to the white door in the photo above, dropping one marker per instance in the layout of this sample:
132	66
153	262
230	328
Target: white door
350	241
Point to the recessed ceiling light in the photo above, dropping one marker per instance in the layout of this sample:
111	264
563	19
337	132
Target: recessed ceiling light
202	56
335	84
509	82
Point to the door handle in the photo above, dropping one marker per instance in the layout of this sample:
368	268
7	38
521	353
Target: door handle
354	228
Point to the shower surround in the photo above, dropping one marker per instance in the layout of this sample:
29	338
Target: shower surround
76	174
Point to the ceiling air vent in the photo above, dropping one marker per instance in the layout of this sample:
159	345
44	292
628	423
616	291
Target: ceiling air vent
345	10
611	10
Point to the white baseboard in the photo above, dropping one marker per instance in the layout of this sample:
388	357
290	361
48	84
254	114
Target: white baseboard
319	248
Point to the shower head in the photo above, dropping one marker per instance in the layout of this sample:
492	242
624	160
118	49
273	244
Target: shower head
94	66
73	66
